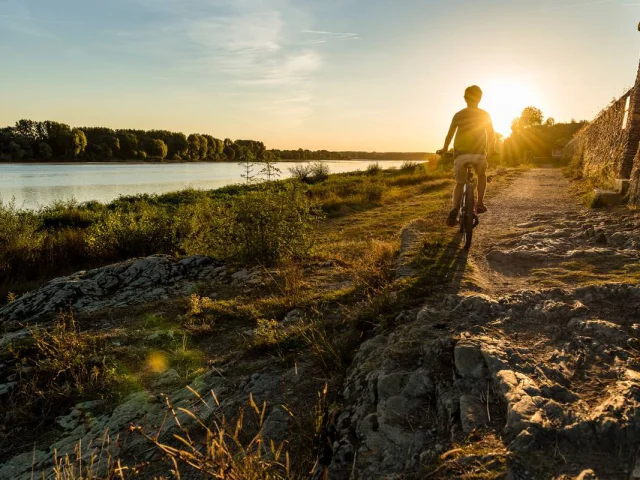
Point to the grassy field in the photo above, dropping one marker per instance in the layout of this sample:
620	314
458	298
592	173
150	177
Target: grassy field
341	280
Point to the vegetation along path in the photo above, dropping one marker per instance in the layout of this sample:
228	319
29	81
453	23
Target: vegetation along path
376	355
524	365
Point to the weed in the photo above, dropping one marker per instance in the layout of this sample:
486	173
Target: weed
226	453
374	168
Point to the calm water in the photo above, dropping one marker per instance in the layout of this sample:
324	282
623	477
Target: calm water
37	184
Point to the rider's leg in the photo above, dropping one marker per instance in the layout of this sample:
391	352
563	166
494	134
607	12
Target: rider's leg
459	173
457	195
482	188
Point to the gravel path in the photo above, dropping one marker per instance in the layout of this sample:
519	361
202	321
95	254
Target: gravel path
538	191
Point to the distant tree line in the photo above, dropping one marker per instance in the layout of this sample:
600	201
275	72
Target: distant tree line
532	136
313	155
51	141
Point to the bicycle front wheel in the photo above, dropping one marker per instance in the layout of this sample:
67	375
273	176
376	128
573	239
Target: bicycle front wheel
469	205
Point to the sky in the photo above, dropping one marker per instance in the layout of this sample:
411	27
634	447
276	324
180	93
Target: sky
375	75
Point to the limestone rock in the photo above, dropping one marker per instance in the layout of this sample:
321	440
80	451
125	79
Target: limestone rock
473	413
132	282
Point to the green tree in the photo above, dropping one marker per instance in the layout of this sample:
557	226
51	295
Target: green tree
128	145
195	142
530	117
247	163
78	142
157	149
269	169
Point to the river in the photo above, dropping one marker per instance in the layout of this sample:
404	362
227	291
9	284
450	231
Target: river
33	185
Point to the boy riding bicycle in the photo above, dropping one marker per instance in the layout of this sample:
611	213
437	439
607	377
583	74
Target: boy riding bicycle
474	139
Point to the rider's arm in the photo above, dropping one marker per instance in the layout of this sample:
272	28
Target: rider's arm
452	132
491	138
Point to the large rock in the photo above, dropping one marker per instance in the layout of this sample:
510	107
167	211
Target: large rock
135	281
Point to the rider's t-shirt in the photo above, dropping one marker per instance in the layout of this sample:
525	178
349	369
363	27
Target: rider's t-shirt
471	135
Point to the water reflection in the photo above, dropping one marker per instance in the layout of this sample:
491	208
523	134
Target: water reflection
34	185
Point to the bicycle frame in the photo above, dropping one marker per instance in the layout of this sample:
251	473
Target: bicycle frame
468	217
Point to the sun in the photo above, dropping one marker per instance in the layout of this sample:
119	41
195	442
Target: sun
504	99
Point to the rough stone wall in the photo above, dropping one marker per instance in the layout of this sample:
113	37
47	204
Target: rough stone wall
601	148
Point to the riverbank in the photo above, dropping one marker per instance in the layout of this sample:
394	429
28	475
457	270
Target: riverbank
36	185
281	332
67	236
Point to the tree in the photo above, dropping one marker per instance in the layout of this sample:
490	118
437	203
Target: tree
128	145
157	149
530	117
195	142
550	122
247	164
78	142
230	153
269	169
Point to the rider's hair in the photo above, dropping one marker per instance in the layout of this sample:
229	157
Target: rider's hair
473	94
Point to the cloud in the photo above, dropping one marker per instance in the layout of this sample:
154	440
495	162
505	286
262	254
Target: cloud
578	5
16	17
327	36
260	47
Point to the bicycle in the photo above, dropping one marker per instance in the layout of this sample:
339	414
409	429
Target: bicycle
468	217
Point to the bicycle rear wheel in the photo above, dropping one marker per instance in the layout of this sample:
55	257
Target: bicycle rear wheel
467	227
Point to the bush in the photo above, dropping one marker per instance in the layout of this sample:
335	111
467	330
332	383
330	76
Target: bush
20	239
374	168
266	225
146	230
58	367
311	172
319	171
409	165
63	214
373	191
301	173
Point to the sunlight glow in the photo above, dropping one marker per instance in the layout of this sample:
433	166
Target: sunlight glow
504	99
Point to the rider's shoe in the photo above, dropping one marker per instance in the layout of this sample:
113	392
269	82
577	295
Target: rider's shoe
481	209
452	219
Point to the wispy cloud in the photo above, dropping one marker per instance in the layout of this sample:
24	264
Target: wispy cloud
16	17
326	36
253	44
578	5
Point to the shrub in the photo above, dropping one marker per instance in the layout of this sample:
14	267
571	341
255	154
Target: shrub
144	231
69	213
310	172
265	225
301	173
319	171
409	165
373	191
58	367
20	239
374	168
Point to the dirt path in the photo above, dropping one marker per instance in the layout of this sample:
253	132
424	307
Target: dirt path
536	234
512	213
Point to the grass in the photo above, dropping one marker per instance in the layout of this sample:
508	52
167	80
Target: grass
343	287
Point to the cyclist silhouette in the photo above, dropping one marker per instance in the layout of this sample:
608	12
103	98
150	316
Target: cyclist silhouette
474	140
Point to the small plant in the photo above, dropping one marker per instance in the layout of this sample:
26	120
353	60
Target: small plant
301	173
319	171
373	191
60	366
198	304
11	297
409	165
227	452
374	168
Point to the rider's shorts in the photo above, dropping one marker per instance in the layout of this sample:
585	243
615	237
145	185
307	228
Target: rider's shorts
479	163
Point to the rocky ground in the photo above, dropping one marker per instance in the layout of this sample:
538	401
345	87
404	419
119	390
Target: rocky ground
500	376
524	365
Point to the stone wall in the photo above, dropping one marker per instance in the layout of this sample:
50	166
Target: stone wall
601	149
